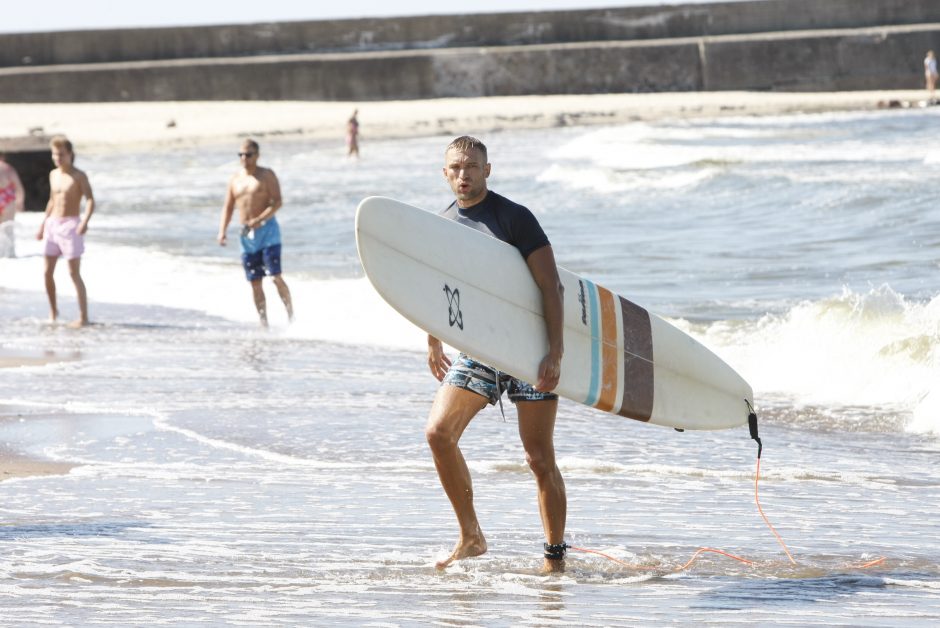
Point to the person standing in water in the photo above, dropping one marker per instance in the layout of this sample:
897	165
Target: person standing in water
467	385
64	226
352	135
257	194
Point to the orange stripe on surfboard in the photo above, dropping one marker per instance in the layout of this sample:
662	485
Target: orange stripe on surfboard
609	358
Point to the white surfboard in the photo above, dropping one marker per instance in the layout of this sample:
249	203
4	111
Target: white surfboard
475	293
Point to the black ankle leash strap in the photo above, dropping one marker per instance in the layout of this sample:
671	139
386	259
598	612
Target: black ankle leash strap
556	551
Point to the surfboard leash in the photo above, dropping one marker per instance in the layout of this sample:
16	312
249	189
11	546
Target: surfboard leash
695	556
752	427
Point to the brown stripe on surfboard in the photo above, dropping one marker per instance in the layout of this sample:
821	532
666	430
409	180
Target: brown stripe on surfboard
637	362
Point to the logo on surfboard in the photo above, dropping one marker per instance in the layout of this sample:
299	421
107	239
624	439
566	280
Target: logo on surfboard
583	301
454	315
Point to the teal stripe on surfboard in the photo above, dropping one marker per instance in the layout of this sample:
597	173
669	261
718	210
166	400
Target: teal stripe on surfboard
596	339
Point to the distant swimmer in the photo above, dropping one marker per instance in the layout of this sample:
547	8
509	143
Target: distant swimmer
12	197
352	135
467	385
930	72
63	228
257	194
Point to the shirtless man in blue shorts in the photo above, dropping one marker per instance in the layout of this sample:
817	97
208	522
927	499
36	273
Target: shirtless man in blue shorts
257	194
468	386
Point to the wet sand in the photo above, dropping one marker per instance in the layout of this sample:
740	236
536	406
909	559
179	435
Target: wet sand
13	358
14	464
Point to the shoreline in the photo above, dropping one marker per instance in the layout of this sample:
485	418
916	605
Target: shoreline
117	126
14	463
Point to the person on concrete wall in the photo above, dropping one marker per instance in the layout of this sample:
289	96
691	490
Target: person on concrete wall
930	72
12	197
64	226
257	194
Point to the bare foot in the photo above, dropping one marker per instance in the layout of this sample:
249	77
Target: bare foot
53	315
78	324
466	548
553	566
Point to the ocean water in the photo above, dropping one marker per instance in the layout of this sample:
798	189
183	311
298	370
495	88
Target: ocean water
229	475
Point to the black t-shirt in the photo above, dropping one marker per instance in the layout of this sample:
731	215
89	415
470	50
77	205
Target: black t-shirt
499	217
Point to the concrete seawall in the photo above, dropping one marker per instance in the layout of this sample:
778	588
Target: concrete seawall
867	59
620	59
454	31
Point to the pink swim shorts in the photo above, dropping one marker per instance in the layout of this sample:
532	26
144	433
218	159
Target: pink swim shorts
61	238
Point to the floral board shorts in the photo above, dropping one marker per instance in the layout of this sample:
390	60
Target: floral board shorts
467	373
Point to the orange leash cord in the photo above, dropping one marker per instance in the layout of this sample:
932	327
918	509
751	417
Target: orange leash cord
752	424
701	550
766	520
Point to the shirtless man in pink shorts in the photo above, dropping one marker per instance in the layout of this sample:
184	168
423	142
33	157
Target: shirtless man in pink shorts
64	227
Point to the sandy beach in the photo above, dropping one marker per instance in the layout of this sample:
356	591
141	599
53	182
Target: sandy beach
100	126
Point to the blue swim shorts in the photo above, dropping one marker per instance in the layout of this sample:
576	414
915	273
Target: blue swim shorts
467	373
266	260
268	233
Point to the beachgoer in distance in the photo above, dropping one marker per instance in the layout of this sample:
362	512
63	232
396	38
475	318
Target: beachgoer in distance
64	226
930	72
352	135
467	385
257	194
12	197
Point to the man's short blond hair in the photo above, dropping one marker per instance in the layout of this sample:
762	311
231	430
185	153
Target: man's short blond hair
61	142
465	143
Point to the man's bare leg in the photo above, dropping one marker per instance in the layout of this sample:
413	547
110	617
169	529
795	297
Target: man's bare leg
260	303
75	274
284	293
536	429
451	413
50	287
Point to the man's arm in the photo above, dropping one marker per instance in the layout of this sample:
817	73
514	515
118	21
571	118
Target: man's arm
438	361
227	208
89	203
49	205
541	264
274	199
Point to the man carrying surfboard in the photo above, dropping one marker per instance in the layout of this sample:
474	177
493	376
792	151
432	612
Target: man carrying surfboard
467	385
